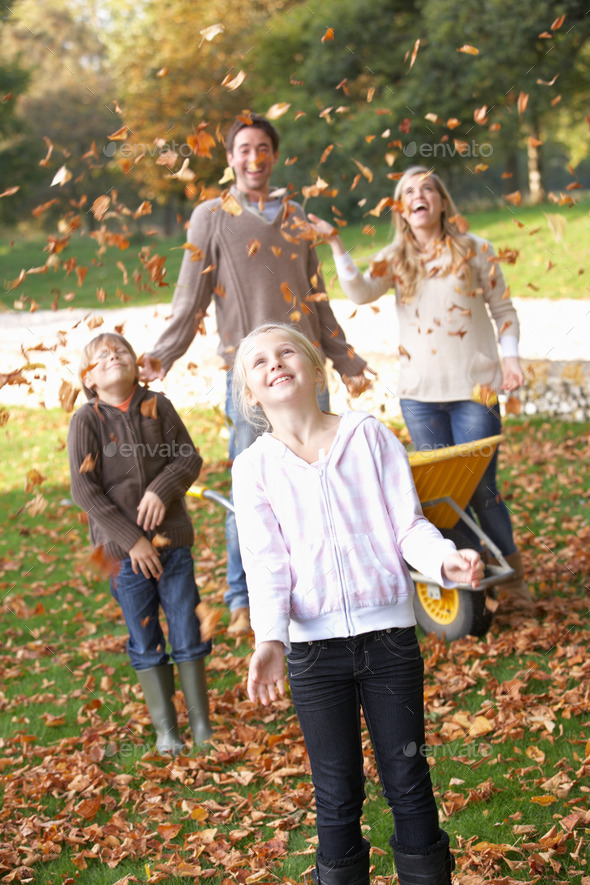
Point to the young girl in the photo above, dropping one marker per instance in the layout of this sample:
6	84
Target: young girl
327	515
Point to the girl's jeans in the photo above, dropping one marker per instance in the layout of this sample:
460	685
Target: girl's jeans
140	599
331	680
435	425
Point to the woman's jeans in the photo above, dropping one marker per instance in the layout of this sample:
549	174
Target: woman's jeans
241	435
140	599
331	680
436	425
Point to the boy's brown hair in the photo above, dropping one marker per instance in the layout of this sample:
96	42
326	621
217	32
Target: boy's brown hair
87	360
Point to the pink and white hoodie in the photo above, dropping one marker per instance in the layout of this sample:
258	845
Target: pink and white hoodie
324	545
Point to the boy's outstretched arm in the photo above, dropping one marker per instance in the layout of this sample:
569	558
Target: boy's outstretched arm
266	675
463	567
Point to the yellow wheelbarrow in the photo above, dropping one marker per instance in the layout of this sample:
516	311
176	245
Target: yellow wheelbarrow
445	480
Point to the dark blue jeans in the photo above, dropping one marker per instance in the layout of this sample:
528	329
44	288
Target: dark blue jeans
435	425
382	673
140	600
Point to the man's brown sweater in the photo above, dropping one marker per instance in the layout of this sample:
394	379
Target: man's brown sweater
257	272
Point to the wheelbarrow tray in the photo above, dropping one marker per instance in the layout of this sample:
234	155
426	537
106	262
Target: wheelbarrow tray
445	480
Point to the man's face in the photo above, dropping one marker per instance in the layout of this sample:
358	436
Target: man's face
252	158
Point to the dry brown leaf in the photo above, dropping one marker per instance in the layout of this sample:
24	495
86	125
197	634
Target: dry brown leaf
149	407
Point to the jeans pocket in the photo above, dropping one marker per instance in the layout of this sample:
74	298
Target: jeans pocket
302	657
402	642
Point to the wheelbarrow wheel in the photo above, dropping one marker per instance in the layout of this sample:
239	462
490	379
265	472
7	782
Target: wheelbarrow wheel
456	614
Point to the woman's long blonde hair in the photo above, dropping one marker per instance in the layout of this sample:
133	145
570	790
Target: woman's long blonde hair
404	254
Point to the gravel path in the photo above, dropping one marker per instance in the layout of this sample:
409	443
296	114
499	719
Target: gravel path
550	330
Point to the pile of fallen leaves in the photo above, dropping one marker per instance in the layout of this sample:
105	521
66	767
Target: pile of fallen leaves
507	720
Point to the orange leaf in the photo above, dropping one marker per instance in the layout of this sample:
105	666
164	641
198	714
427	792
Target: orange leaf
544	800
234	83
88	808
329	35
119	135
453	123
160	541
230	205
515	198
403	352
287	293
277	110
558	23
253	246
523	100
169	831
469	50
149	407
414	54
88	463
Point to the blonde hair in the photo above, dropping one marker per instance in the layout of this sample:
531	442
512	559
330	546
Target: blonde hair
87	360
404	254
254	414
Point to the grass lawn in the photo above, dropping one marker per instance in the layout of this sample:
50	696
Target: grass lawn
83	798
545	267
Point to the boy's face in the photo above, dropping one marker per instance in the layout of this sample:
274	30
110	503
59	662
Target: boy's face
114	372
252	158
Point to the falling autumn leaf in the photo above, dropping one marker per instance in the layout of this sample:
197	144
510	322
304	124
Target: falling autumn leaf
235	82
160	542
515	198
414	54
230	205
88	463
149	407
211	32
100	207
523	100
61	177
329	35
277	110
470	50
119	135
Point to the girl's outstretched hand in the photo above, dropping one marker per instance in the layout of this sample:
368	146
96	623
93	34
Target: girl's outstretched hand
464	567
266	676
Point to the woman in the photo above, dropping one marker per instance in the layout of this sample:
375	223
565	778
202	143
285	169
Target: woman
445	282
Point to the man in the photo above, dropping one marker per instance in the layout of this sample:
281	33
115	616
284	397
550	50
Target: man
251	251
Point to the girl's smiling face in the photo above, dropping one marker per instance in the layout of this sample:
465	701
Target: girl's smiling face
277	372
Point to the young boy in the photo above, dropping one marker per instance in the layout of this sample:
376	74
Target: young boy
131	463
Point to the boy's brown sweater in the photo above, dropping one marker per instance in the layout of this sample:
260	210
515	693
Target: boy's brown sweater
115	457
257	271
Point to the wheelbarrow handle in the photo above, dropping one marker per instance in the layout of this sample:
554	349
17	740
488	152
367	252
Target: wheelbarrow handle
204	493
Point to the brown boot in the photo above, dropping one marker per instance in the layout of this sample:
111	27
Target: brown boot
515	594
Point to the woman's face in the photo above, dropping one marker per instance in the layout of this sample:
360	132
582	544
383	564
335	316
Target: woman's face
423	206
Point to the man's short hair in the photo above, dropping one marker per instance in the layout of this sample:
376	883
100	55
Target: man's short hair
256	120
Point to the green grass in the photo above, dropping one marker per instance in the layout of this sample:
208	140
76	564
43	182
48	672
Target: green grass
545	268
74	729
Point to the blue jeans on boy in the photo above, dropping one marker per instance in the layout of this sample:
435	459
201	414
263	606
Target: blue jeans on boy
435	425
241	435
331	679
140	599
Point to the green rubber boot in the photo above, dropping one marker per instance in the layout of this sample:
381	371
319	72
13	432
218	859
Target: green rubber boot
194	687
157	684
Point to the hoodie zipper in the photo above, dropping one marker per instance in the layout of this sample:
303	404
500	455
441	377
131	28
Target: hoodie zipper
324	485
